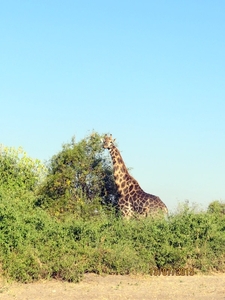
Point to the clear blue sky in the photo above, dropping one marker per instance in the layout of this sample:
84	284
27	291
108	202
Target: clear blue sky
152	73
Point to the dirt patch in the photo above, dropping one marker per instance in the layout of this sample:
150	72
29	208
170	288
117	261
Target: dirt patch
120	287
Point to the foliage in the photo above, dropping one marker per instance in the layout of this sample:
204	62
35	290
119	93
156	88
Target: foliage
79	178
18	171
36	242
217	207
35	245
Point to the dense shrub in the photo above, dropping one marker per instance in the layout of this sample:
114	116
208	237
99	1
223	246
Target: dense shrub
217	207
34	245
79	179
18	171
36	242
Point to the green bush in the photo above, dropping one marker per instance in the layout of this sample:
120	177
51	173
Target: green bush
79	179
217	207
18	171
35	245
57	227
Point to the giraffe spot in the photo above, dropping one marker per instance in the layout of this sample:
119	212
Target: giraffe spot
119	189
123	184
125	177
116	168
131	187
120	160
125	190
135	206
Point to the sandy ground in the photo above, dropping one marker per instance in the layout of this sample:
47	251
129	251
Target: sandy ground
120	287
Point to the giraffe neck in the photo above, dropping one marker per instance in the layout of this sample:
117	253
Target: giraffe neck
119	168
120	172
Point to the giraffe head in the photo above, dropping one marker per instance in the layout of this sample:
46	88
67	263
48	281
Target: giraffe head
108	141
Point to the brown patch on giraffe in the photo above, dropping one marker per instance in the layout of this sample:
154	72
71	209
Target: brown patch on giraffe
123	185
119	161
132	193
116	168
126	177
131	187
126	198
120	179
125	191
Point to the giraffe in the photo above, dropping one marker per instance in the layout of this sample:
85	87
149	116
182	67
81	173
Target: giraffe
132	199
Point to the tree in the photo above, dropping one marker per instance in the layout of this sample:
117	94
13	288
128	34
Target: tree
19	172
217	207
79	176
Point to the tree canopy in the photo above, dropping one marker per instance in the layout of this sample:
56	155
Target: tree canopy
19	172
78	175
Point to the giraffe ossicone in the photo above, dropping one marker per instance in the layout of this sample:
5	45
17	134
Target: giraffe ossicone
132	199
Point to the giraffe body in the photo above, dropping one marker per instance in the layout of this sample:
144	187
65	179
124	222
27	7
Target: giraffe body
132	199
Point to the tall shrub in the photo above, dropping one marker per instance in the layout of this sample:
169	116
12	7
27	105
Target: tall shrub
79	175
18	171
